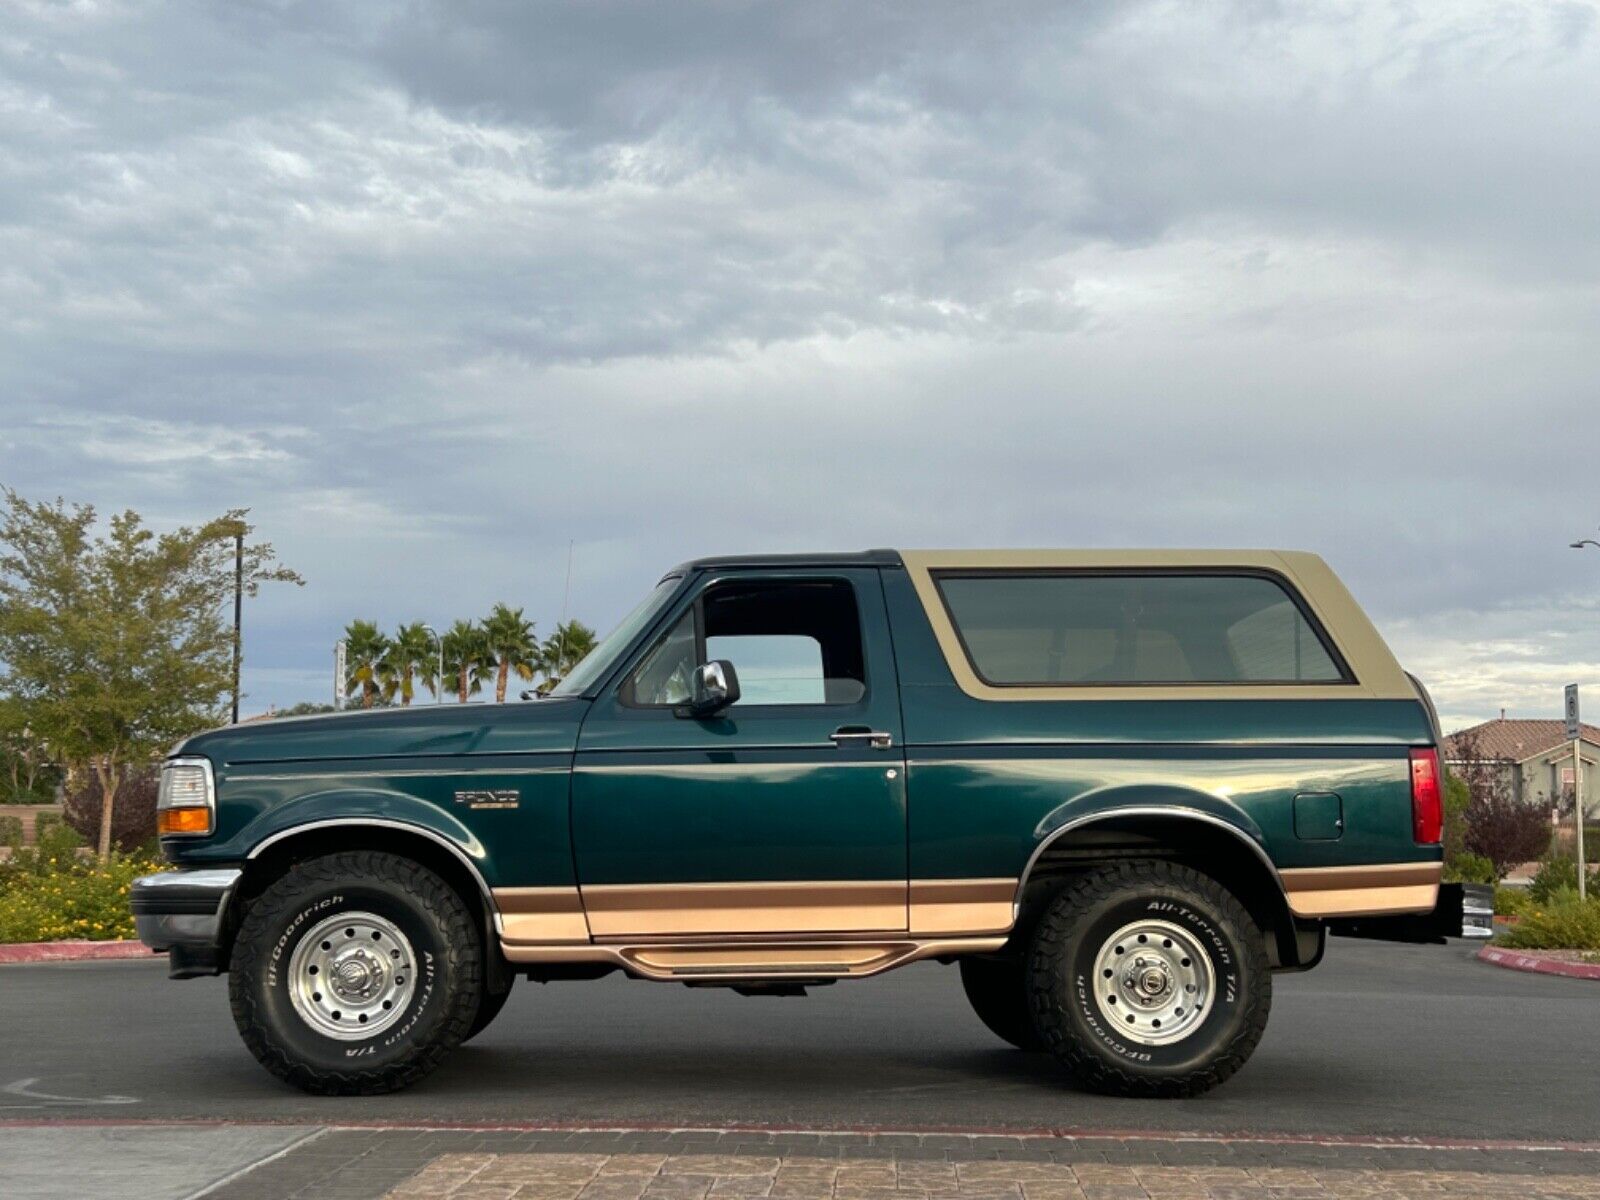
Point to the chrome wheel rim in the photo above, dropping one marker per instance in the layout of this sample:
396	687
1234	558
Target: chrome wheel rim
1153	982
352	976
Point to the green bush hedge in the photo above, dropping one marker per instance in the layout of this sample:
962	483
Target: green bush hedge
1564	923
46	821
1469	868
49	894
1557	875
1511	901
10	831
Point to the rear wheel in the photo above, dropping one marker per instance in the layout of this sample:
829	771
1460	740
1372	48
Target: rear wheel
355	973
997	990
1148	978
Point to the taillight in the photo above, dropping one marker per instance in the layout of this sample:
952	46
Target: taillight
1427	798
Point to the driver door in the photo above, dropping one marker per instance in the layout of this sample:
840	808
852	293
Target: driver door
783	814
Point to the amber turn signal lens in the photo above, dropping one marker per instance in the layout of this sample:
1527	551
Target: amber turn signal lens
183	820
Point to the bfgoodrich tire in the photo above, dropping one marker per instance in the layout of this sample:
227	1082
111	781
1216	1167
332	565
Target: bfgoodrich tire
1147	978
488	1009
355	973
997	990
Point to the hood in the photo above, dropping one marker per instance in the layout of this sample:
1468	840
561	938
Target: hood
522	727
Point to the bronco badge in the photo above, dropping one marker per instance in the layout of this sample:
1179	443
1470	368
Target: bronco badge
497	798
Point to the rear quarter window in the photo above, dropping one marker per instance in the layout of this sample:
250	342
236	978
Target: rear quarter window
1128	628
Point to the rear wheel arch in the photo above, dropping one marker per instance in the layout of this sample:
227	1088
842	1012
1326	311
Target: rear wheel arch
1199	840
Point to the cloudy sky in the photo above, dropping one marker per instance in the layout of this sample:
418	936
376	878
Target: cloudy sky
435	289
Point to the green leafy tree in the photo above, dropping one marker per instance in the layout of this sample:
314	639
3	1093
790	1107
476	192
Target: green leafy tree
467	659
364	649
23	751
563	650
512	647
115	641
410	660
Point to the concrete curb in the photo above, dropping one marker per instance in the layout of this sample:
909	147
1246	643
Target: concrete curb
37	952
1538	964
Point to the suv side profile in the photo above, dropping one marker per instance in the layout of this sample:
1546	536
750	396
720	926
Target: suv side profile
1118	789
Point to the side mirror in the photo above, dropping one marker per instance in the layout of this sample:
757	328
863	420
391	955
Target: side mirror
716	686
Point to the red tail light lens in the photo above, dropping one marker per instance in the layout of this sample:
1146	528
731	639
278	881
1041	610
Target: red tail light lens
1427	798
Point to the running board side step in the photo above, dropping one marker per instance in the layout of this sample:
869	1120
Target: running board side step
728	959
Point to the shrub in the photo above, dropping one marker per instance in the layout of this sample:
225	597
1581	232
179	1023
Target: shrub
49	894
1469	868
1506	831
1456	797
1565	923
1556	875
1511	901
1495	824
45	822
133	817
10	831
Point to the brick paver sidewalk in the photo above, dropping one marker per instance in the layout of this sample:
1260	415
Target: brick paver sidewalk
510	1163
708	1176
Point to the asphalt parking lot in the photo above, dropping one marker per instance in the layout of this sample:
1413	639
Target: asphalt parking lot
1381	1039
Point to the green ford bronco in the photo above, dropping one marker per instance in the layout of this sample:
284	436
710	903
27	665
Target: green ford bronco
1119	789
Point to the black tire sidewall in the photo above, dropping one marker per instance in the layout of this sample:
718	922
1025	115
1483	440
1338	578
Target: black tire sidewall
1219	939
425	1012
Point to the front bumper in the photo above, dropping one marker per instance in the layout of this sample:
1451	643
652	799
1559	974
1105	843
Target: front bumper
184	913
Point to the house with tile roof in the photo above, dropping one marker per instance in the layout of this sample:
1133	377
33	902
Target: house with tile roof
1535	756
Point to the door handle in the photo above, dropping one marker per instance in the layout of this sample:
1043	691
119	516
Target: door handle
846	734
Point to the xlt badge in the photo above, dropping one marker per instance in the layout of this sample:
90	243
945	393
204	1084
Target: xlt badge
486	798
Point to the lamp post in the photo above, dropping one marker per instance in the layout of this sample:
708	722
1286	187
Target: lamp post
238	614
438	680
1577	760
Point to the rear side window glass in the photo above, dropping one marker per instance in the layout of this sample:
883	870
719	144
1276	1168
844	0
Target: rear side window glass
1082	628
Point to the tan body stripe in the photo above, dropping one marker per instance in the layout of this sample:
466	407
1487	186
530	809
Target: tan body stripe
1362	891
943	907
541	915
962	906
693	909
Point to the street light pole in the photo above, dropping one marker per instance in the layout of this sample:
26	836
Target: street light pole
1577	761
438	680
238	614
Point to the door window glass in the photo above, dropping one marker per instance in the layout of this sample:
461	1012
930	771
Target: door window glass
791	642
774	668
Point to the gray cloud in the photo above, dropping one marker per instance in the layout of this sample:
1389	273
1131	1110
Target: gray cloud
437	288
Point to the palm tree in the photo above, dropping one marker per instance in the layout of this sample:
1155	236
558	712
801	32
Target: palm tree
466	658
364	651
563	650
409	661
512	647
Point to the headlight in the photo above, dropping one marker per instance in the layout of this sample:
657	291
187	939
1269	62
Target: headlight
186	805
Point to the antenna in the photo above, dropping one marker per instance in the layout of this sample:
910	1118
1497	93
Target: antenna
561	625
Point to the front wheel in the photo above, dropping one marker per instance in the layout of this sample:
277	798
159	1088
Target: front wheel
355	973
1147	978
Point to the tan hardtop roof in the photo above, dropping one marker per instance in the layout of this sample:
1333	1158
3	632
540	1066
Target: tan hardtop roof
1377	674
1122	556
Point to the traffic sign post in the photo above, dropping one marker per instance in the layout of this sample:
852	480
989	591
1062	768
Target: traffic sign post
1575	736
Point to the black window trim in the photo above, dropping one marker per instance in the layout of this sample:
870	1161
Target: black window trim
696	605
1346	678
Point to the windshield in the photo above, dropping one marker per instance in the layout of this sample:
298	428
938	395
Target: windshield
599	660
